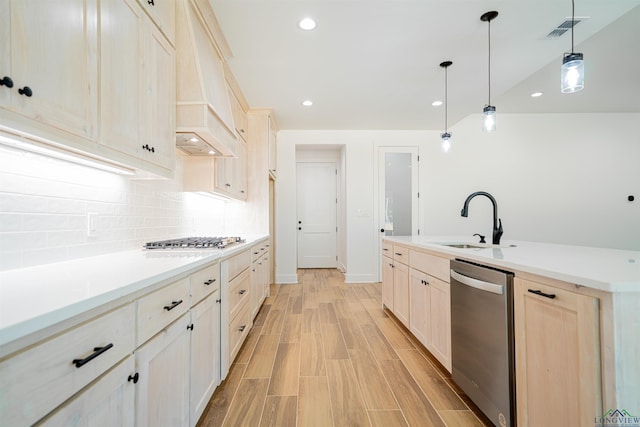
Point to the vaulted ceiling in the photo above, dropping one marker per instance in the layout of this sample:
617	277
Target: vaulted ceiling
374	64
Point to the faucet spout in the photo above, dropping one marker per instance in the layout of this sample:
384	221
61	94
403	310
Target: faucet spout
497	223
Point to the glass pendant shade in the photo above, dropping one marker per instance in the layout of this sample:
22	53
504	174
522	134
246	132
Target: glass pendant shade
446	143
489	118
572	75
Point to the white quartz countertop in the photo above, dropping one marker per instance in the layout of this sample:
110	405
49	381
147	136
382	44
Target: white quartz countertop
37	297
610	270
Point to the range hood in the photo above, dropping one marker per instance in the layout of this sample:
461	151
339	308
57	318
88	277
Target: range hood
204	121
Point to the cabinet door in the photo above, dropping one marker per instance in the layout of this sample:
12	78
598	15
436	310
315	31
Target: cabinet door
439	306
557	356
205	354
240	171
159	102
162	392
401	292
122	25
419	310
162	12
272	148
387	282
107	402
256	288
52	48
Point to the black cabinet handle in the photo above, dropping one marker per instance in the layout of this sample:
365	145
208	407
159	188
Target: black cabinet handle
173	305
242	328
542	294
210	281
26	91
6	81
398	253
151	2
135	377
190	327
218	301
97	351
227	185
242	291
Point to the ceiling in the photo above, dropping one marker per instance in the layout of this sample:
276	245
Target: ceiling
374	64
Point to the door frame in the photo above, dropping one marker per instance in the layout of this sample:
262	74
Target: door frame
417	208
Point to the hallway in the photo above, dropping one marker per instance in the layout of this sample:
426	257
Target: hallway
324	353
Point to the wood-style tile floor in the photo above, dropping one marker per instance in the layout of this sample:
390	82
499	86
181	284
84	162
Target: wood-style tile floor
324	353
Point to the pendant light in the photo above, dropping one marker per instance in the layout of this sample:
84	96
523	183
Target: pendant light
489	111
572	74
446	136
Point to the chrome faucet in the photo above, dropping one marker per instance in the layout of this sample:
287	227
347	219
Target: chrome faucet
497	223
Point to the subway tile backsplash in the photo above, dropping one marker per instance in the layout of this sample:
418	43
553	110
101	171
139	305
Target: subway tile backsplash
45	202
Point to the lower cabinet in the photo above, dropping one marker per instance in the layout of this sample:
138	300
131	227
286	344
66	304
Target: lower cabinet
205	354
387	282
260	276
558	375
109	401
430	319
162	364
401	292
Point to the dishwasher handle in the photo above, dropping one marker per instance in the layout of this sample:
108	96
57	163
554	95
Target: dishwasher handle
478	284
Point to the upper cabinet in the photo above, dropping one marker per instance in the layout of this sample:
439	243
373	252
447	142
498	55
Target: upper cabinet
138	116
96	77
48	67
203	112
239	117
162	12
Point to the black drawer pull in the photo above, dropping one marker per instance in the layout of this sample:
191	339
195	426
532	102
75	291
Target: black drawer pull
190	327
135	377
542	294
210	281
242	328
26	91
242	291
173	305
97	351
398	253
6	81
151	2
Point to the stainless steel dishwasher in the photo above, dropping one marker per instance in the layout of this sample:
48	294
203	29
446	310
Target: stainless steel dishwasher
482	338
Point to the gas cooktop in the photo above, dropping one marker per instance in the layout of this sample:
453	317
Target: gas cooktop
198	243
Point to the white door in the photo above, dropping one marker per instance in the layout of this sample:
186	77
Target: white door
316	196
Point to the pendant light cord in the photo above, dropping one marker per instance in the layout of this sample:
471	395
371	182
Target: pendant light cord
573	21
446	102
489	67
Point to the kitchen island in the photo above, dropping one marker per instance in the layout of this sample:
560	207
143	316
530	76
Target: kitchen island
587	324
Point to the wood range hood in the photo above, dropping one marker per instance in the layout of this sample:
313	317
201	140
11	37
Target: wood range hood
204	120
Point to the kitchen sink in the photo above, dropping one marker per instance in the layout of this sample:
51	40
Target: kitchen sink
474	245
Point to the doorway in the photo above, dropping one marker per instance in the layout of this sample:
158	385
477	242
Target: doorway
316	214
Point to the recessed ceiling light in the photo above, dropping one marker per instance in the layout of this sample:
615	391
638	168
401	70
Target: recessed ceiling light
436	103
194	139
307	103
536	94
212	152
307	24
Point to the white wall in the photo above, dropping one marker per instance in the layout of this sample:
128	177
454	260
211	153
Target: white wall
44	204
360	178
557	178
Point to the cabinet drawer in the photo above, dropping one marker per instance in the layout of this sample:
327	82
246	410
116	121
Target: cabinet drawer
239	292
433	265
238	263
258	251
387	249
401	253
239	329
204	282
159	308
36	381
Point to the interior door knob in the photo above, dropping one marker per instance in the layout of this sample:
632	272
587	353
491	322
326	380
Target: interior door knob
382	230
6	81
299	228
26	91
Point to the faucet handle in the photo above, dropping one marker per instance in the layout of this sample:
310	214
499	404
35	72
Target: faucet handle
497	233
481	237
